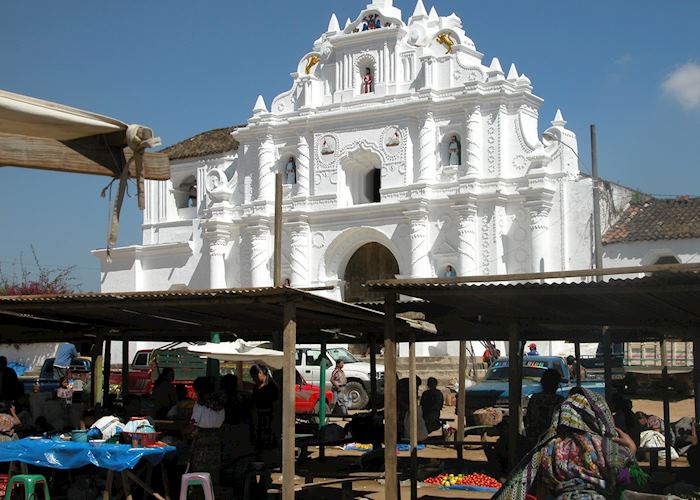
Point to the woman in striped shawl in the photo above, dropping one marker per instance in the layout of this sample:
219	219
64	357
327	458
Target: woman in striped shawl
581	457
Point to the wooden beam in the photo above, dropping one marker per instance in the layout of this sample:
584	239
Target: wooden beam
461	400
390	417
515	354
580	273
289	340
413	415
106	371
125	365
83	156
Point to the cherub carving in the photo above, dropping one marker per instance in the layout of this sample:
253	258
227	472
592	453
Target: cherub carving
445	39
311	61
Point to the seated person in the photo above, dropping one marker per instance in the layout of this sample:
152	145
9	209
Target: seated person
542	406
431	403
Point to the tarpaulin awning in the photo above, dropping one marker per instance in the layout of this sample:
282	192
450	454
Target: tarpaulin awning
240	350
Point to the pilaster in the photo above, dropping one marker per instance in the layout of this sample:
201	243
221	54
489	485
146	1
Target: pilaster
420	242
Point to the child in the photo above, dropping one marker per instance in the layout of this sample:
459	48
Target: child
8	421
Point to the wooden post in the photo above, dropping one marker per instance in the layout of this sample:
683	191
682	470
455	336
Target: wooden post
322	407
107	371
607	364
515	382
461	400
696	376
390	418
277	270
289	341
577	355
373	374
96	369
666	405
413	414
125	366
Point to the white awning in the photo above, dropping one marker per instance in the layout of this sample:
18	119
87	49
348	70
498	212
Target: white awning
240	350
24	115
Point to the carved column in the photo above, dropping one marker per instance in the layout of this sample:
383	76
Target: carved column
299	237
303	162
539	231
266	164
473	142
259	237
426	155
468	264
420	242
218	235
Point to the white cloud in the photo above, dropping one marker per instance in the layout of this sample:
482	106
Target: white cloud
683	85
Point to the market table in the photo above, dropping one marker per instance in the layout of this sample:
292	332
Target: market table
115	458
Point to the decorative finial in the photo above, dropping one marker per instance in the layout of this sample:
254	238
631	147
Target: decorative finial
558	119
433	16
495	68
419	11
523	79
333	25
260	106
348	22
512	72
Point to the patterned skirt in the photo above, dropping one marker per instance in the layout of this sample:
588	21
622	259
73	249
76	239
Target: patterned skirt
206	453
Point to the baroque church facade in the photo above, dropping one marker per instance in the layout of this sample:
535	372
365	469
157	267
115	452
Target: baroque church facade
404	154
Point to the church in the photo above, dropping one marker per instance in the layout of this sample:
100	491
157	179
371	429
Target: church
403	153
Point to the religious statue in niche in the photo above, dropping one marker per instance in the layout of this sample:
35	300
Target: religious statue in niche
311	61
371	22
455	150
393	138
367	82
217	185
290	171
327	146
450	271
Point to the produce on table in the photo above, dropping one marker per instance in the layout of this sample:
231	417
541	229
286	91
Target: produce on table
475	479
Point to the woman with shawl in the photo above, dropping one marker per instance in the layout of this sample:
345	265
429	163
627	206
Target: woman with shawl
581	457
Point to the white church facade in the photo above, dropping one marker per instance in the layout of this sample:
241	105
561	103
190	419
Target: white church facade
404	154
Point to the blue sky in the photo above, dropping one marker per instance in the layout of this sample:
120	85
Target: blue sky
182	67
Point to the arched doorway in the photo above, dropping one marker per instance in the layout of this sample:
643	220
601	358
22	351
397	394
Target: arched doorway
372	261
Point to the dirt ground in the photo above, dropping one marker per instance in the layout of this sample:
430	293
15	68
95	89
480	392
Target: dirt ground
436	459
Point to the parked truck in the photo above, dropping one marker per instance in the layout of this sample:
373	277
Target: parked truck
638	366
358	388
493	390
46	381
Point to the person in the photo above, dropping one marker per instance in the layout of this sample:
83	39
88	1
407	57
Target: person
132	406
164	396
367	82
582	456
533	350
572	363
290	171
8	421
64	355
266	422
182	410
377	22
431	403
450	271
454	150
624	418
403	402
208	416
338	381
489	356
10	387
542	406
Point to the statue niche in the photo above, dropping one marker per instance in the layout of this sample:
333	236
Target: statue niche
367	82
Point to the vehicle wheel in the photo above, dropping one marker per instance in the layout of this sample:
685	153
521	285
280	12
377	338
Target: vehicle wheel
317	410
358	399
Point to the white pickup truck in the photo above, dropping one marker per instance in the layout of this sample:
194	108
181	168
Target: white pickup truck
358	389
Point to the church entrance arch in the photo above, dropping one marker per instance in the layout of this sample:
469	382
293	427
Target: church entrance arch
372	261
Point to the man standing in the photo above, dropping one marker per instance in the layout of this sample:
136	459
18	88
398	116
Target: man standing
10	388
338	381
533	350
65	354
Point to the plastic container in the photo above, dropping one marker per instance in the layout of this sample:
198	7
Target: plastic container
79	436
141	439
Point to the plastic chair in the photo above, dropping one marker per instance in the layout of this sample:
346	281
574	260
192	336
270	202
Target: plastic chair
201	479
27	487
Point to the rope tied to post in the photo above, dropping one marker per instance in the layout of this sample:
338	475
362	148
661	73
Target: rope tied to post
138	139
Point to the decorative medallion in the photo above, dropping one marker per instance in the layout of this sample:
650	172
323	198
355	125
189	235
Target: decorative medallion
391	138
519	162
318	240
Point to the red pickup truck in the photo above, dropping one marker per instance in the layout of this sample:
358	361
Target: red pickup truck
147	364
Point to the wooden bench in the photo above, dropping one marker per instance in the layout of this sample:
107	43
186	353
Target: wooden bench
306	490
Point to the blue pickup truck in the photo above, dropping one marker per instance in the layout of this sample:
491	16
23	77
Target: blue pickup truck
492	391
47	381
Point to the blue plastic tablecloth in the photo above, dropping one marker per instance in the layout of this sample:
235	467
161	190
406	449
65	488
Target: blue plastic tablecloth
70	455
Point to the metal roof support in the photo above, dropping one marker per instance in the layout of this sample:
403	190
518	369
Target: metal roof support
390	417
515	383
